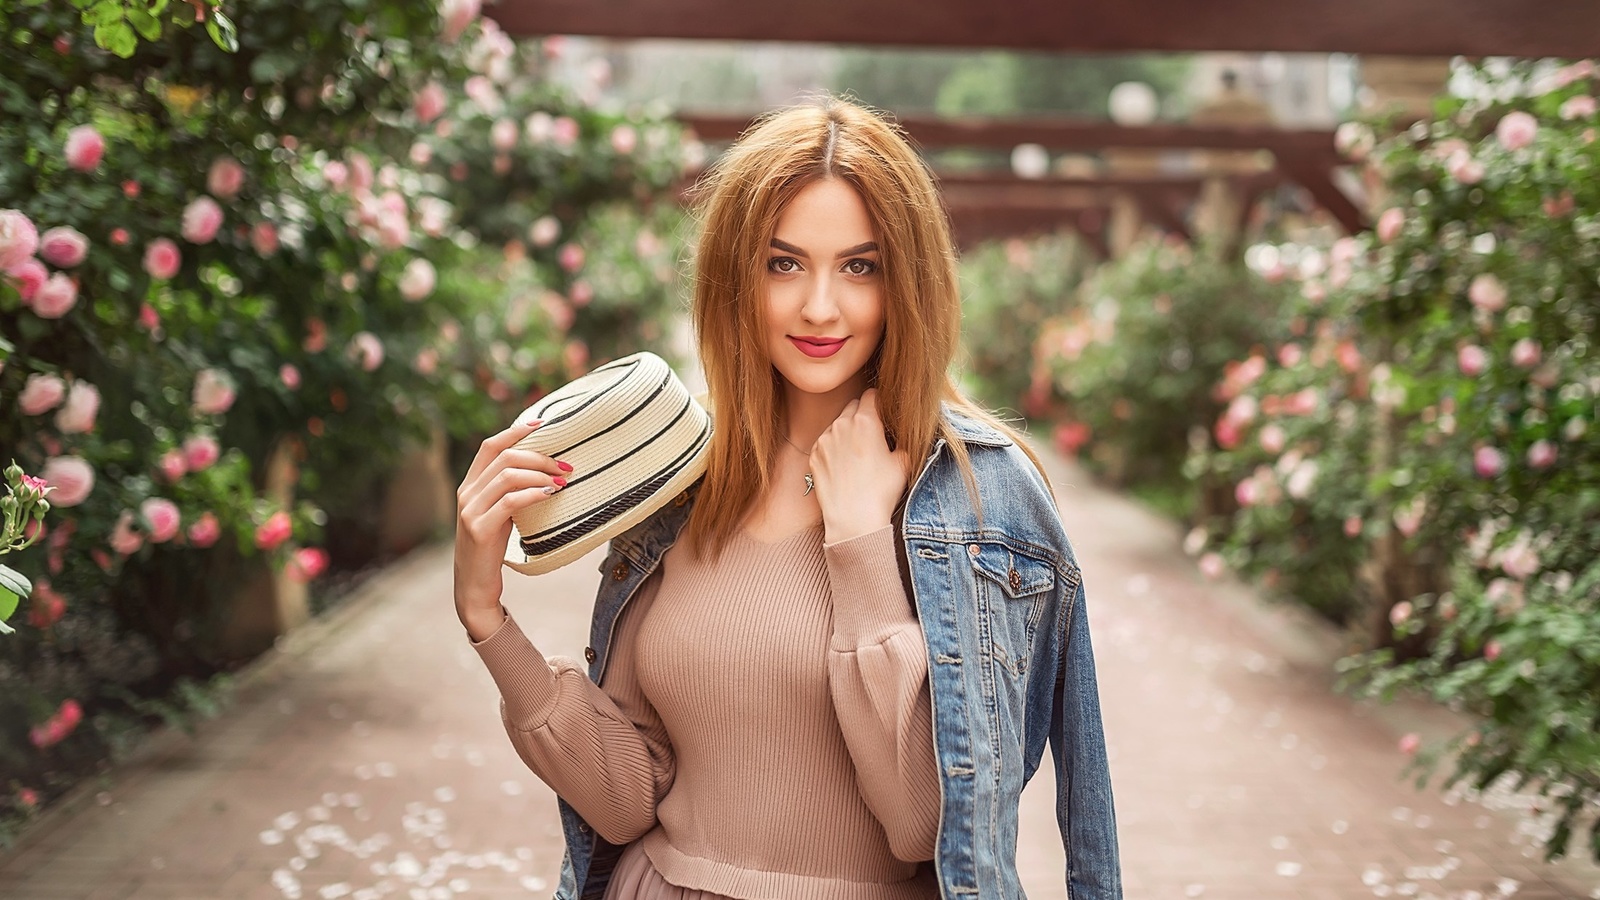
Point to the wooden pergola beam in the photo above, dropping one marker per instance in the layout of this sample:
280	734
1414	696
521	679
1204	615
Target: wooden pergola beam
1569	28
1063	133
974	223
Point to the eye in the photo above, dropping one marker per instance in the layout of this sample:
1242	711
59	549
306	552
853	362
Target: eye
783	265
860	267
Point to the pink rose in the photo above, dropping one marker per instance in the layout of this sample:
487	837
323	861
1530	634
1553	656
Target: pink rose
1491	651
1273	439
63	247
1390	224
1410	744
71	476
575	354
564	131
119	236
290	376
84	148
273	532
418	279
1212	566
307	563
149	319
429	103
58	727
1354	140
162	259
172	465
264	238
225	177
624	139
78	414
581	293
124	540
201	220
1516	130
1473	360
1526	353
1542	455
570	257
161	517
1247	492
503	135
481	91
18	239
366	350
40	394
1580	107
336	173
1488	462
1352	526
1464	168
361	175
213	392
29	276
28	797
544	231
205	531
56	297
48	605
1400	613
1487	293
200	452
456	15
427	361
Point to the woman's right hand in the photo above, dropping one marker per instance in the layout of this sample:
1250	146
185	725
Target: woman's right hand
500	481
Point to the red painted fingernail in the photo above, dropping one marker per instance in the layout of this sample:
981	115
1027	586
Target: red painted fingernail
565	467
560	482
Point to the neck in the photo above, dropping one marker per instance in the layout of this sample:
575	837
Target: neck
809	415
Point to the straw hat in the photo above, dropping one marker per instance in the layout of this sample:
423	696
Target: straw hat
635	439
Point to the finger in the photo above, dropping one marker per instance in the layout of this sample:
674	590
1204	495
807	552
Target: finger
495	443
477	503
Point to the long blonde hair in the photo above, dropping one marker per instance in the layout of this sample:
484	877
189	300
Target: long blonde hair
739	202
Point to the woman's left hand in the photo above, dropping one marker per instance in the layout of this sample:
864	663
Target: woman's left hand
858	479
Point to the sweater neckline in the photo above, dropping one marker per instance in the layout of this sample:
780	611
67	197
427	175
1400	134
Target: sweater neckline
744	532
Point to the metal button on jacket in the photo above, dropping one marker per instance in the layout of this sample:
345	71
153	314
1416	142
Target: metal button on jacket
588	654
1015	579
620	572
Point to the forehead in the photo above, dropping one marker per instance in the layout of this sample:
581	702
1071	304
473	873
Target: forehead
827	213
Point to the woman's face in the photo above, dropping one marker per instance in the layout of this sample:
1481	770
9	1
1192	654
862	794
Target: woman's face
824	291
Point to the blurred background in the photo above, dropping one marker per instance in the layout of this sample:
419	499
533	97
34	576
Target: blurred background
1299	304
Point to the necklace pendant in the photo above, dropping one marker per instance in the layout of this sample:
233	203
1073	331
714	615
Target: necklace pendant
809	485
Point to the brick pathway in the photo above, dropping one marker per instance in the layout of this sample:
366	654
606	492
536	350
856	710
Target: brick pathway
365	759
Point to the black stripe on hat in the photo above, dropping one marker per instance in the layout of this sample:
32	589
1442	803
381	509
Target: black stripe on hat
688	404
597	519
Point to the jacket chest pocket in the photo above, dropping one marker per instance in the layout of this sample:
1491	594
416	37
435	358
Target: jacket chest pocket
1014	589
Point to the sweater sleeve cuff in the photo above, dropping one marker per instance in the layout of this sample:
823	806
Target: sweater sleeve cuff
526	680
869	601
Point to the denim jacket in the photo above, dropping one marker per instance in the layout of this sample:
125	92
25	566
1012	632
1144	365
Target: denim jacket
1009	666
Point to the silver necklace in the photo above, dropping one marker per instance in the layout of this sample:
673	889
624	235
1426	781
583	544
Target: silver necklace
810	483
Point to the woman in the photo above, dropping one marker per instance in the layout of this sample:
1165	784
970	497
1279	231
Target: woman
830	674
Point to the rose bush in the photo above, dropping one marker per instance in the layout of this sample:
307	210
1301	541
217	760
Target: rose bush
298	298
1134	367
1450	360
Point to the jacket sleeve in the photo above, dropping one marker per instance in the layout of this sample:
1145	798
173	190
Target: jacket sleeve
604	751
1083	775
878	675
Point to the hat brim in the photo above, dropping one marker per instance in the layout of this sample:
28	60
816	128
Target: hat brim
674	485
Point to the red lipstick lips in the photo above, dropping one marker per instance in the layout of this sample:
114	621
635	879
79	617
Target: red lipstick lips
817	348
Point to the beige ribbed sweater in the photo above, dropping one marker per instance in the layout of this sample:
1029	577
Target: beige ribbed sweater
764	723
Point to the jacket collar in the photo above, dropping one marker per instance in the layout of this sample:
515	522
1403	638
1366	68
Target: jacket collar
970	430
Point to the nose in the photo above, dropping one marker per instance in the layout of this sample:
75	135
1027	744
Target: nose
821	305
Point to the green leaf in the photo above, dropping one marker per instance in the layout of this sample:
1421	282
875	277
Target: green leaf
105	12
8	603
118	38
16	584
148	26
222	31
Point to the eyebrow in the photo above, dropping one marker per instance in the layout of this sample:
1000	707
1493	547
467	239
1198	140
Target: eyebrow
785	246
